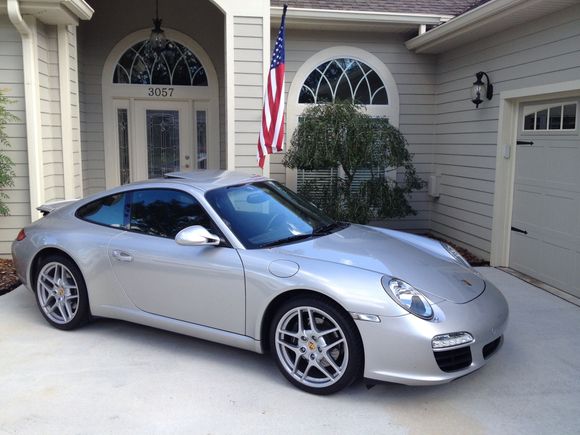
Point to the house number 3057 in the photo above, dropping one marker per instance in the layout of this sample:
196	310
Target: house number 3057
160	92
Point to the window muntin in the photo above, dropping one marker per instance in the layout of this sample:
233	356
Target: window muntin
176	65
108	211
554	117
165	212
343	79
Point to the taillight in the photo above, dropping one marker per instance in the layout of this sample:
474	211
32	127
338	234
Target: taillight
21	236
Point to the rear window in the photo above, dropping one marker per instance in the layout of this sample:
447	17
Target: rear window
109	211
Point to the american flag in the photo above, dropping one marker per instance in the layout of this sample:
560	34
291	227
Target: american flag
271	136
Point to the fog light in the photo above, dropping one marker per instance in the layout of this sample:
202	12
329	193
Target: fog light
451	339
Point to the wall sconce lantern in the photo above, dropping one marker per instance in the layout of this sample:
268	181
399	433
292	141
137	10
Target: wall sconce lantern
480	88
157	39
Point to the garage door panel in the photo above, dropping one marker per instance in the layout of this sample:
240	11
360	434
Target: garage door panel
546	201
561	214
557	273
563	168
526	208
530	163
522	255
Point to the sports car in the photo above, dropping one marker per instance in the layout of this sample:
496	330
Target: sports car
244	261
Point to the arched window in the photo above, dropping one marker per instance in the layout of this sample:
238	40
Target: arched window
337	74
343	79
176	65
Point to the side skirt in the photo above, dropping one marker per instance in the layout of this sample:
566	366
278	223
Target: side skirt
180	327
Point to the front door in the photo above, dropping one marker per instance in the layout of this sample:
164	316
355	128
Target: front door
164	138
545	236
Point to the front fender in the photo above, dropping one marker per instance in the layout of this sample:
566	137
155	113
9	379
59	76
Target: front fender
354	289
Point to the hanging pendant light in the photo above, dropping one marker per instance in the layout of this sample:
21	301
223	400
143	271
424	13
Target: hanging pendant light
157	39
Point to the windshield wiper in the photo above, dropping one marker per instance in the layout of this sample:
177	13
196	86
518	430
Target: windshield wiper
326	229
286	240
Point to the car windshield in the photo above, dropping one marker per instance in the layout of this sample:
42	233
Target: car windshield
267	214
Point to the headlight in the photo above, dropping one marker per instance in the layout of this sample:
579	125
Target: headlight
408	297
456	255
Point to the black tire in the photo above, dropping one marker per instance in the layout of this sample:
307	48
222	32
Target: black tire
61	292
314	365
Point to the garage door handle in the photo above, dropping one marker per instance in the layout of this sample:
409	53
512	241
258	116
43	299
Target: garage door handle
524	142
517	230
122	256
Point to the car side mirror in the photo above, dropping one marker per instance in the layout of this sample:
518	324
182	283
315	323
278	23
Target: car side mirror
196	236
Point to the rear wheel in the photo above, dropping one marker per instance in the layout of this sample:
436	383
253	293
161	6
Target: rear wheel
316	346
61	292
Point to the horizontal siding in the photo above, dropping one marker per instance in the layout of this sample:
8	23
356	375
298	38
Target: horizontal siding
53	168
542	52
12	84
75	110
415	78
248	79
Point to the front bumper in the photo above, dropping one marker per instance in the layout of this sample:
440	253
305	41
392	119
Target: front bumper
398	349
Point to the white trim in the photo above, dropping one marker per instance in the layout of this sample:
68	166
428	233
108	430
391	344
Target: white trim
112	91
306	14
230	87
27	29
294	109
509	105
66	112
474	21
80	8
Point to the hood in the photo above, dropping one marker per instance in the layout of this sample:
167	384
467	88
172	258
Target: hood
421	262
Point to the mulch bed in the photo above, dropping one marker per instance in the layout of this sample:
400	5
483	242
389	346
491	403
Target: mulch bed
8	278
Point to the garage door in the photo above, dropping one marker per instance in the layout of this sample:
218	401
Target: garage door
545	236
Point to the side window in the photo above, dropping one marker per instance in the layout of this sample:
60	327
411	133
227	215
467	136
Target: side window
109	211
164	212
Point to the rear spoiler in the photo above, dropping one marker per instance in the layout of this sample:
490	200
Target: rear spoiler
52	206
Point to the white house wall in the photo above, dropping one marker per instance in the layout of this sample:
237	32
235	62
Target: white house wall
542	52
12	83
414	76
248	83
50	112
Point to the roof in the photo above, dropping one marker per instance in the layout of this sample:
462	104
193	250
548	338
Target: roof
442	7
207	179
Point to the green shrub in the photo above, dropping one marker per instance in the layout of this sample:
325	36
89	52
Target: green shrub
6	165
340	135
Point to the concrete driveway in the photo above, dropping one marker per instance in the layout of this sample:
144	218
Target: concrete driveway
115	377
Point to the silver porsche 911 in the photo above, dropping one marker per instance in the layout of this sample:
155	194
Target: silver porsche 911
246	262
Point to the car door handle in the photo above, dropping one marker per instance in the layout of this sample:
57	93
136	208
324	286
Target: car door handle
121	255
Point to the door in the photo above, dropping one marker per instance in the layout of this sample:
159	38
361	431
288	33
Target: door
545	236
197	284
164	138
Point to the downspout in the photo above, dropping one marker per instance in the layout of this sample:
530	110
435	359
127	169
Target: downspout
27	32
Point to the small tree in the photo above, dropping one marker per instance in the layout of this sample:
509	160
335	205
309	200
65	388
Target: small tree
340	135
6	164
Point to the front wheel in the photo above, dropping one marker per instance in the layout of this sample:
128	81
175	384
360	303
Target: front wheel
61	292
316	346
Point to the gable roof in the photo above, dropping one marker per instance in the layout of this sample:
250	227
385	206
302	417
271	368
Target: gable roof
442	7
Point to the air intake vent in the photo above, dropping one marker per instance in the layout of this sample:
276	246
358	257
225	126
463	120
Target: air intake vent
454	359
490	348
